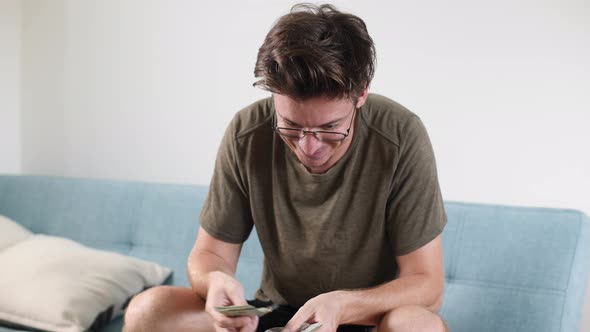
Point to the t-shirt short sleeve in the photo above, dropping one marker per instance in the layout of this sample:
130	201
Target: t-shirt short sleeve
415	213
226	212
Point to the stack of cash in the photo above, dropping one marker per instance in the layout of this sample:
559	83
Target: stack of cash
309	327
244	310
304	328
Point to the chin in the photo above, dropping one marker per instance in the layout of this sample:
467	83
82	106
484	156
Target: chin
313	164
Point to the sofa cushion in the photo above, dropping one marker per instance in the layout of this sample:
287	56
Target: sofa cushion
53	283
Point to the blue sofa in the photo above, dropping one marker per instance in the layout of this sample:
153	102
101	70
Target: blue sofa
507	268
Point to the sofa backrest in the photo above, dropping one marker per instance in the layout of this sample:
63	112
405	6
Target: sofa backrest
507	268
153	222
514	268
156	222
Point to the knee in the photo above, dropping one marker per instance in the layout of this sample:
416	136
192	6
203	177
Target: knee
412	318
143	309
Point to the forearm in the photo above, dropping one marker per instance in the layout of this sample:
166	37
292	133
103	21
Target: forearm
367	306
202	265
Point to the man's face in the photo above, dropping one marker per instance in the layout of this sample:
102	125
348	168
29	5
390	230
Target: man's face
319	113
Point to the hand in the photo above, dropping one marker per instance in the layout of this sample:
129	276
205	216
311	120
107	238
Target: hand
226	290
325	309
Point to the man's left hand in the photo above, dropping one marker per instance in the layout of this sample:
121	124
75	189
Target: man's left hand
325	309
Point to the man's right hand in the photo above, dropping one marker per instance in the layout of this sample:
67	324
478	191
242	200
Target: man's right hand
226	290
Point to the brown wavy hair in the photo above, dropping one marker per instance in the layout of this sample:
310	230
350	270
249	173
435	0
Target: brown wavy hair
316	51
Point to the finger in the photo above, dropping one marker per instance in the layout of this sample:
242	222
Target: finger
221	329
236	296
215	315
327	328
218	316
235	293
234	322
221	316
254	323
251	326
301	316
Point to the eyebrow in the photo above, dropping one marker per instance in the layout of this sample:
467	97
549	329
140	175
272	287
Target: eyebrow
322	125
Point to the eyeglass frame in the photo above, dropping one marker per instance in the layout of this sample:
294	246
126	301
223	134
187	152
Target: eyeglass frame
313	132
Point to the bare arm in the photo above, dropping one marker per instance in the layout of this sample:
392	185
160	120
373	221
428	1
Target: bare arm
208	257
420	282
211	269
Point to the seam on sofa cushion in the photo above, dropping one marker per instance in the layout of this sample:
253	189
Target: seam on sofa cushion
483	284
530	208
130	246
455	250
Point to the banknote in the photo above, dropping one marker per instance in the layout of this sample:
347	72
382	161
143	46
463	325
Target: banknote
244	310
309	327
304	328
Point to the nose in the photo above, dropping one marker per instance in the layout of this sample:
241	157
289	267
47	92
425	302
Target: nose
309	144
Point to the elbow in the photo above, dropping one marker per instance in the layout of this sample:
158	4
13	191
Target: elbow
437	300
196	276
436	305
191	268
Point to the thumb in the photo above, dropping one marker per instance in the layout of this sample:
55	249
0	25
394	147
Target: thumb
236	295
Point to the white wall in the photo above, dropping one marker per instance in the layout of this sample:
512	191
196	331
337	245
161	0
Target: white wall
142	90
503	89
42	101
10	38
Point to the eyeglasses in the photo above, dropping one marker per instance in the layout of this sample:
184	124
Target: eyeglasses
321	135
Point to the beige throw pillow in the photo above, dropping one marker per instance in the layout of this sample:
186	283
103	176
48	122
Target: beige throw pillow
56	284
11	232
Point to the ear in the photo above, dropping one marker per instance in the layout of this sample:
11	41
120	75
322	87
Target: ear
362	98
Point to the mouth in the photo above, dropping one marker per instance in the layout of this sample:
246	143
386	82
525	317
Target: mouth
316	156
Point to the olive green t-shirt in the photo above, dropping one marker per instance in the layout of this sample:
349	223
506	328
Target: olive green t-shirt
337	230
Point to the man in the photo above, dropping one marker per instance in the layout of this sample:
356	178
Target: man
340	185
